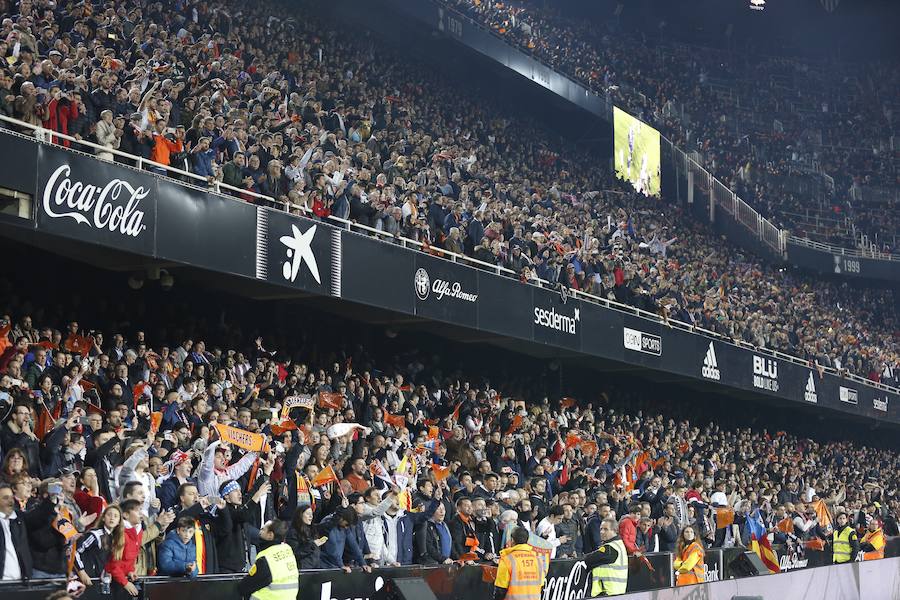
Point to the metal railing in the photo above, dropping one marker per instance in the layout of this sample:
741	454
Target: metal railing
45	136
851	252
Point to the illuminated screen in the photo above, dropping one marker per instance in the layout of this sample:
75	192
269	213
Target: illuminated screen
636	150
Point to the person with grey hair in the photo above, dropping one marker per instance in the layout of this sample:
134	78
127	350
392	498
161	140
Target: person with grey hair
108	135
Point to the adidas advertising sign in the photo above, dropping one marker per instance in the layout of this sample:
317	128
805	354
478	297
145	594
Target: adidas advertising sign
710	369
809	393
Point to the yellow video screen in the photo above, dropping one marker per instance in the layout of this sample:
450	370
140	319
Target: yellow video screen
636	149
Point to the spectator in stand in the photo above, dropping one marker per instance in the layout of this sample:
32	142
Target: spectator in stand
109	135
125	545
628	526
178	553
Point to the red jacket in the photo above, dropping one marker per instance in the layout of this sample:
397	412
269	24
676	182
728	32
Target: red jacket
628	533
119	569
58	117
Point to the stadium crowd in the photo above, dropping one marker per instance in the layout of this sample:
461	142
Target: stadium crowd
767	120
288	108
116	461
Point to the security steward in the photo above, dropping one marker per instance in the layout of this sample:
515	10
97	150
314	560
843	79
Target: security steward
609	564
520	575
274	576
872	544
844	541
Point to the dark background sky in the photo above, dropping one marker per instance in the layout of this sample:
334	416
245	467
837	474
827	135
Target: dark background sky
855	29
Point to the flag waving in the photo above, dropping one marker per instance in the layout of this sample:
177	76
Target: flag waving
325	477
759	542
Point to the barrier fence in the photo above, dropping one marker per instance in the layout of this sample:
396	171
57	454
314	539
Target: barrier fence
566	579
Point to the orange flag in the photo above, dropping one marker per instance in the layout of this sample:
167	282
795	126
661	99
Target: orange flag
567	402
138	390
433	432
155	421
395	421
823	513
331	400
724	517
280	428
589	448
456	411
814	544
786	525
325	477
4	337
572	439
78	344
516	423
440	473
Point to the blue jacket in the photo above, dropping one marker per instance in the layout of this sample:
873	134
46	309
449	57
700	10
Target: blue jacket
174	556
202	163
405	528
339	539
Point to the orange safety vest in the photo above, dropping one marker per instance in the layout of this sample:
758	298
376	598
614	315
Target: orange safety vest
876	538
525	575
695	575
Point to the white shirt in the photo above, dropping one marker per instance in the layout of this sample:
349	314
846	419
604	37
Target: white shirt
547	530
11	569
719	498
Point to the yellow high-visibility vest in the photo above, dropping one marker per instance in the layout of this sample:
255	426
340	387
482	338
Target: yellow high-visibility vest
285	577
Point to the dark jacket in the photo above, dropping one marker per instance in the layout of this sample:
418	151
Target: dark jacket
102	459
428	544
18	530
91	555
406	527
231	543
28	445
48	546
306	551
592	540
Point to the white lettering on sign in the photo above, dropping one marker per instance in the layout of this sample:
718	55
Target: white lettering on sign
114	206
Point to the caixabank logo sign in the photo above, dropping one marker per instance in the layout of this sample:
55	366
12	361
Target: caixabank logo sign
298	252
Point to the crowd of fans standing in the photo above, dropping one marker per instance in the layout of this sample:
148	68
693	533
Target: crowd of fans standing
113	465
330	125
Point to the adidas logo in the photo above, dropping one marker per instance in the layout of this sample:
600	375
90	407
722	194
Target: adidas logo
710	368
810	394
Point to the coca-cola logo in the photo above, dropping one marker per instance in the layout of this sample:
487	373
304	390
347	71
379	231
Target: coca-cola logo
114	206
574	586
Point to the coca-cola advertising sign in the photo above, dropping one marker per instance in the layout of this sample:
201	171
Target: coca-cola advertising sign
95	201
573	584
